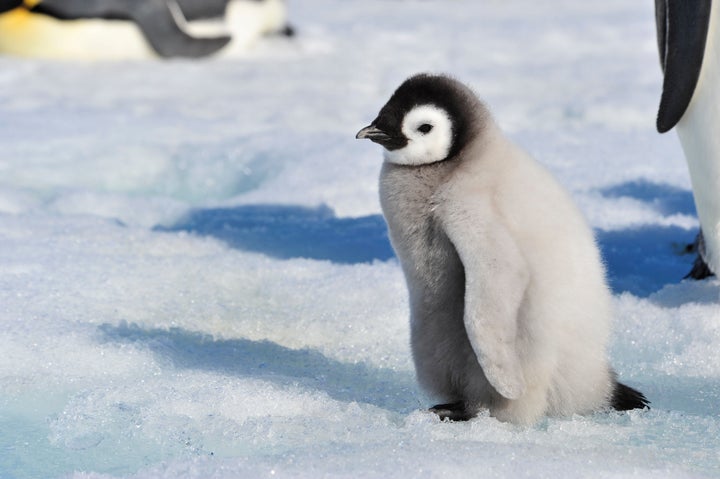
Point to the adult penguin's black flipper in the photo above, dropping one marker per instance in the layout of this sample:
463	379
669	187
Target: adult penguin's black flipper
682	27
203	9
162	21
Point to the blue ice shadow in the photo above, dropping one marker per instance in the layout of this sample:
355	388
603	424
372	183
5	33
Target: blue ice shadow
643	259
639	260
691	395
284	231
665	199
385	388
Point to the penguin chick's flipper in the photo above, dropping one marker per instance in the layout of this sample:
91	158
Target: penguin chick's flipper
161	22
625	398
700	269
457	411
496	277
682	27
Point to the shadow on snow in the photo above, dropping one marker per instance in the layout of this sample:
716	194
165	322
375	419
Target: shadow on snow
384	388
666	199
643	259
284	232
639	260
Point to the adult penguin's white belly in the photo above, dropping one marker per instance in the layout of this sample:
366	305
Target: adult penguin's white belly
699	133
689	46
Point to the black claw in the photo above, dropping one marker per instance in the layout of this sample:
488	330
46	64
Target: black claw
457	411
700	269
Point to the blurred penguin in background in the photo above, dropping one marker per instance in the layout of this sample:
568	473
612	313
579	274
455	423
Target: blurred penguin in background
689	47
135	29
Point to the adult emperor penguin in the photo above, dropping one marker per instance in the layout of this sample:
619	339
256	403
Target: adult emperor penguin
509	308
132	29
689	47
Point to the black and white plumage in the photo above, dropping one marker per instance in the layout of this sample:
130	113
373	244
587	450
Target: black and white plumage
132	29
509	306
689	47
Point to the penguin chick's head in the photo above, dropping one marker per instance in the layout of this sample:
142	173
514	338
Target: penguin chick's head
429	118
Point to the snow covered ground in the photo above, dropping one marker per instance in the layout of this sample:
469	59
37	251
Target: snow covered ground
195	280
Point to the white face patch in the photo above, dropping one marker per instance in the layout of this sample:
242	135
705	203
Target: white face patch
428	129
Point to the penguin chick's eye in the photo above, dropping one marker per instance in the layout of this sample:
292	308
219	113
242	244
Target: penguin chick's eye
429	133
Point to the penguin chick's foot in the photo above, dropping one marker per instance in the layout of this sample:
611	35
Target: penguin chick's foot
626	398
457	411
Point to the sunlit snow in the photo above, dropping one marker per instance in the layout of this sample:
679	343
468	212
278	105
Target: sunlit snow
196	282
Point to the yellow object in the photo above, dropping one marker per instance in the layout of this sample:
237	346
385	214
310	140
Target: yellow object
25	33
30	34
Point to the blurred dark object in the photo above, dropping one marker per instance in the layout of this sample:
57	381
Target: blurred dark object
6	5
156	19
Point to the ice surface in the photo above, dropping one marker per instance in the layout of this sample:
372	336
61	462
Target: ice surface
196	282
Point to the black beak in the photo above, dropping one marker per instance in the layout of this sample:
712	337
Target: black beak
373	133
378	136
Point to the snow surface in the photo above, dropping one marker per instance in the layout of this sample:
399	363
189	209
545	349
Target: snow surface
195	279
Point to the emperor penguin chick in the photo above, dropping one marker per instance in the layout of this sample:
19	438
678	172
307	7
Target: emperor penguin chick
509	307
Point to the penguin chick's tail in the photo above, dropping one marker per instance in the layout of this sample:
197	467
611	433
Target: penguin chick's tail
625	398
